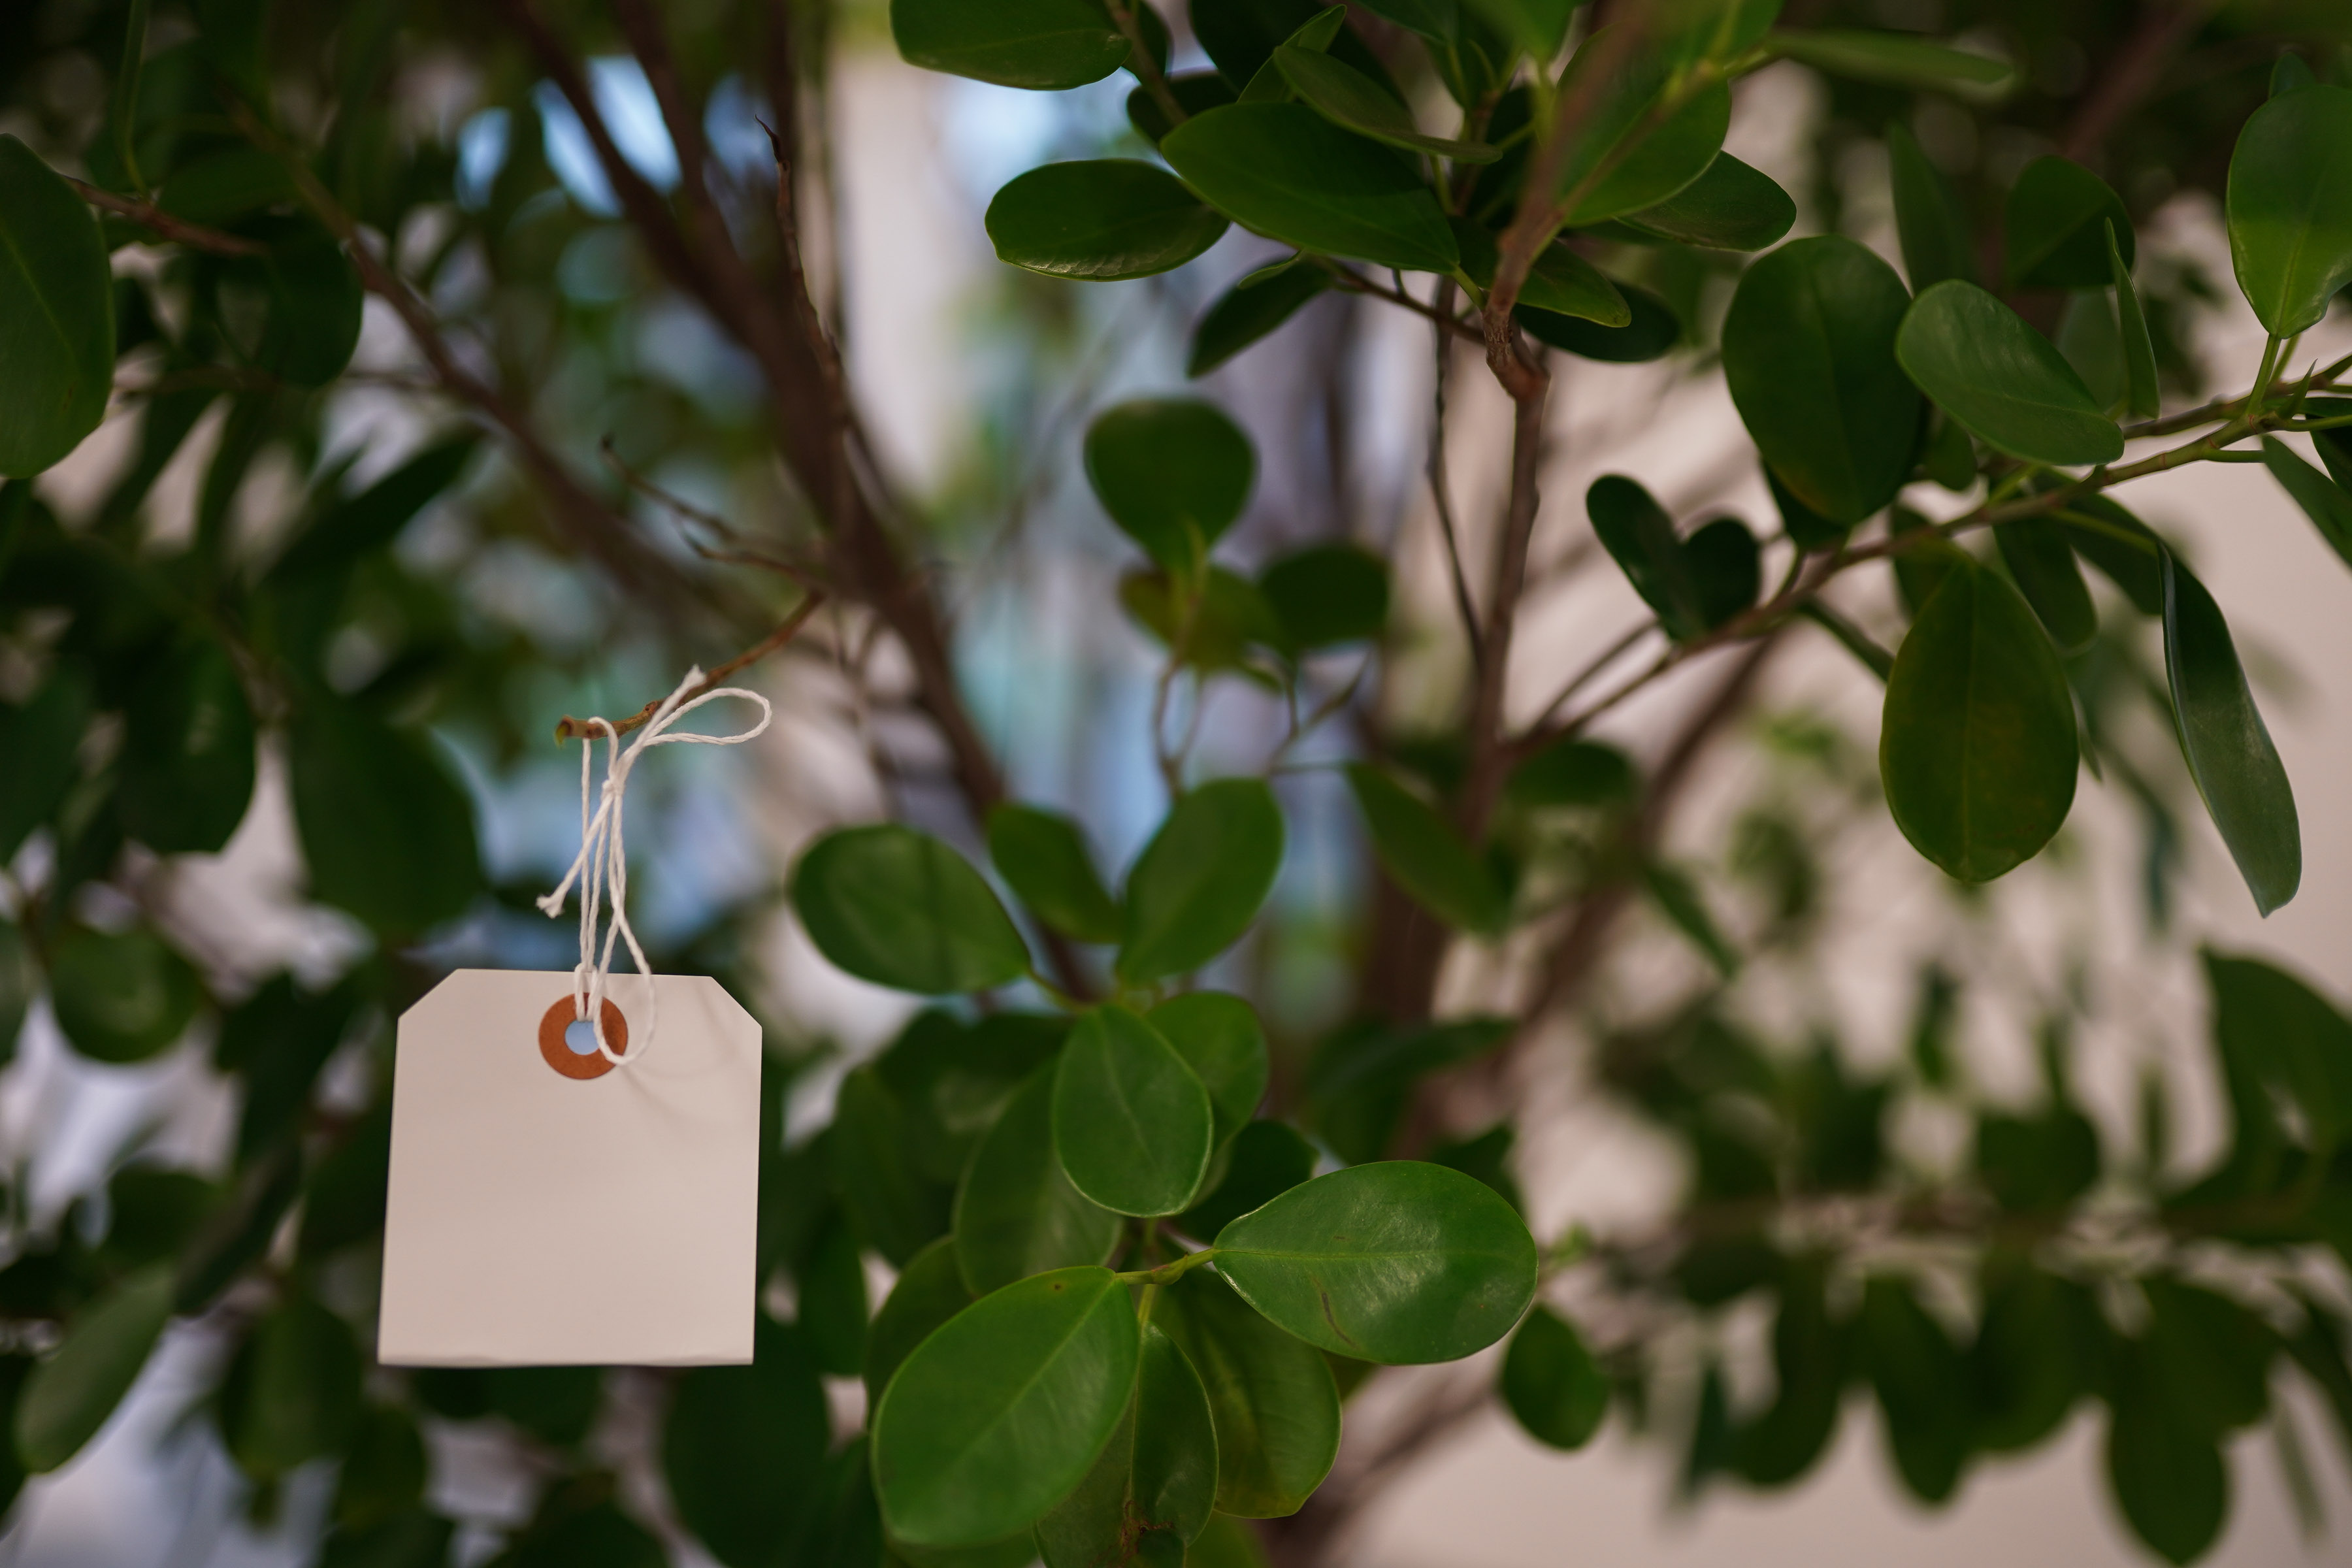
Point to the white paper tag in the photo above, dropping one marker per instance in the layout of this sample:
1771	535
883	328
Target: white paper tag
538	1218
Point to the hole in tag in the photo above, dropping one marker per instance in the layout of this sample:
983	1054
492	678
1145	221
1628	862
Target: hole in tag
569	1045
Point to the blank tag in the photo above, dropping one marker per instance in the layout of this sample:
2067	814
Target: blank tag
541	1217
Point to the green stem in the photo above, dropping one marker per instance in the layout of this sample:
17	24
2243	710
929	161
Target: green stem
1169	1273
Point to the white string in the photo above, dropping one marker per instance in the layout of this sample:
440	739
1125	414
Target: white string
602	868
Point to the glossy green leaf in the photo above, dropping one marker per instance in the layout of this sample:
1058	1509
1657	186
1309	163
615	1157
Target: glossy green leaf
1132	1122
1099	220
1249	310
896	1208
1895	59
1266	1159
1045	45
1353	101
187	751
900	909
1325	594
999	1415
742	1447
42	741
2290	207
1017	1212
2229	753
1551	1384
2120	546
1809	352
2282	1045
1394	1262
121	998
68	1396
1240	35
1922	1388
1219	1038
57	315
1173	473
1623	162
1652	333
929	1290
1150	1493
1271	1398
1044	859
2055	234
1421	851
1285	171
2037	556
2322	499
312	295
1695	584
1731	206
1977	747
1726	569
1937	244
1986	368
1559	282
292	1392
1199	883
2143	394
388	835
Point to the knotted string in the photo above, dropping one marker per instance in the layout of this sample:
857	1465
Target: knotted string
603	867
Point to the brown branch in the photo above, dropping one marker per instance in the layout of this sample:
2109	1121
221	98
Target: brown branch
196	236
568	728
2132	74
1441	491
1489	752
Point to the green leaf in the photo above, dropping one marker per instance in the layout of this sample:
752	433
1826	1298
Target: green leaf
1551	1384
1731	206
384	1471
1811	1356
413	1539
2290	207
900	909
2120	546
1360	1078
1325	594
1694	584
1622	163
1922	1388
1099	220
1893	60
999	1415
929	1290
2322	499
2143	394
1653	332
1157	1477
2037	1345
1042	857
556	1404
1397	1262
1219	1038
1266	1159
897	1209
2053	236
1240	35
1215	628
2281	1044
57	315
1559	282
1285	171
2037	556
1976	748
292	1392
221	186
1173	473
1271	1398
42	742
359	525
2237	769
187	751
1678	898
2038	1164
121	998
829	1307
1573	771
742	1447
387	832
1354	101
1132	1123
1809	352
1044	45
68	1396
951	1080
1986	368
1199	883
2167	1470
1016	1214
1252	309
1425	856
312	297
122	107
1937	244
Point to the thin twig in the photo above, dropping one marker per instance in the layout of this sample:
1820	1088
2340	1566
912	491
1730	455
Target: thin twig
568	728
1441	492
196	236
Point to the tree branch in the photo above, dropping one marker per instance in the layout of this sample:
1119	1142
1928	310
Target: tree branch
1488	751
568	728
196	236
2132	74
